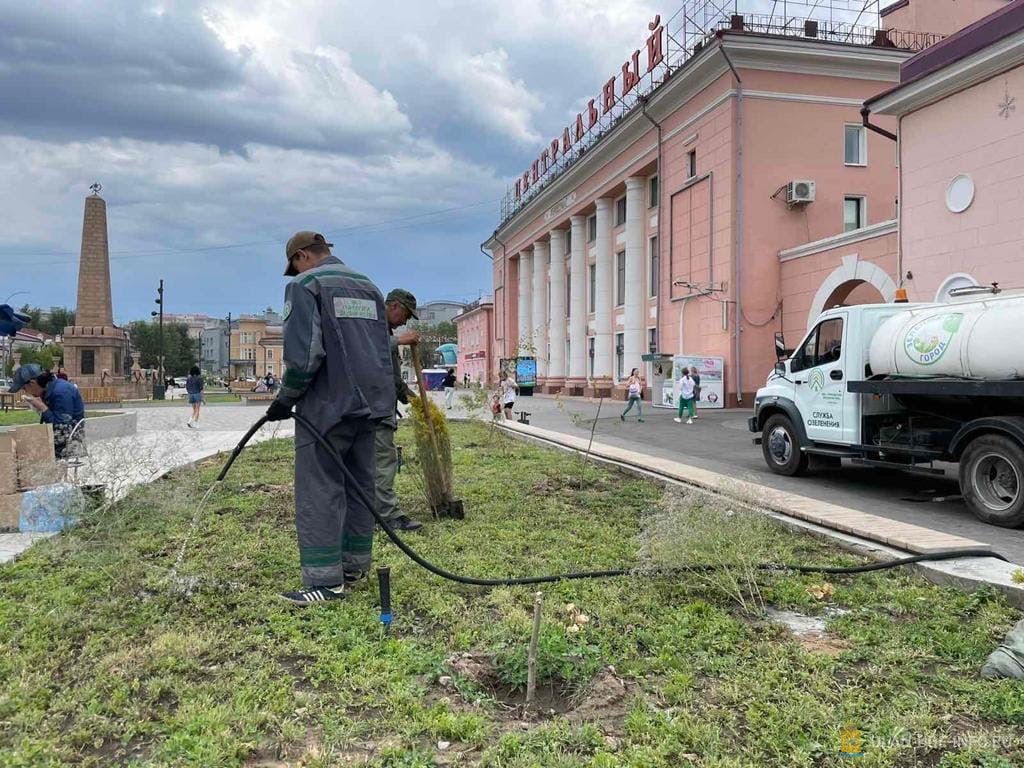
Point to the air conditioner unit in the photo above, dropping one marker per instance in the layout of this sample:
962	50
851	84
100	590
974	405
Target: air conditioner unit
799	192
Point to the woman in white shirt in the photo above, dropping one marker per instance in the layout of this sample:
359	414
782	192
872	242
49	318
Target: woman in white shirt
634	389
686	399
508	390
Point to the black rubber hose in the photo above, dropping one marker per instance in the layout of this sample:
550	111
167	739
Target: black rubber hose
946	554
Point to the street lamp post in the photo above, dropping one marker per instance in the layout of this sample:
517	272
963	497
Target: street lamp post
158	386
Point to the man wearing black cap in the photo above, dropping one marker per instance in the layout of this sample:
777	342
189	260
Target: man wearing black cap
400	306
338	376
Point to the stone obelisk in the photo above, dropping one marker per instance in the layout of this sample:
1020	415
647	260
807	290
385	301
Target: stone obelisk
94	346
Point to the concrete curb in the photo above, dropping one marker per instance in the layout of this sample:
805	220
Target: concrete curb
795	512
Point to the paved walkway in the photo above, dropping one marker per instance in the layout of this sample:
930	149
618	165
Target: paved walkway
163	442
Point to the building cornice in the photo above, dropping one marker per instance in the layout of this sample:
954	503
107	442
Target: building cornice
971	70
840	241
748	52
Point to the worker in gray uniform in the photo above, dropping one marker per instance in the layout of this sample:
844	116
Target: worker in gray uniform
399	307
338	376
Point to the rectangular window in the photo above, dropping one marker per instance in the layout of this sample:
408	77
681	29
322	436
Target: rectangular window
620	211
568	241
270	354
270	368
620	355
691	163
592	228
854	213
823	346
652	340
652	192
590	355
620	278
593	286
88	362
654	266
568	292
855	145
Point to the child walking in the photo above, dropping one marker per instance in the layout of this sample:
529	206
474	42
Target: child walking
686	399
635	389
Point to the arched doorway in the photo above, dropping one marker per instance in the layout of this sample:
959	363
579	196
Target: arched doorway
852	282
854	292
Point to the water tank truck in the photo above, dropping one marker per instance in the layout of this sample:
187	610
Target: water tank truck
907	386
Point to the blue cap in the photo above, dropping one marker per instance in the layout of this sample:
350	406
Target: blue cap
24	374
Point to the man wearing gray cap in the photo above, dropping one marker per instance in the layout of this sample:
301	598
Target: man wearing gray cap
400	306
338	376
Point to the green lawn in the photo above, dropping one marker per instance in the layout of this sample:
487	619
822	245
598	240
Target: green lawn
220	398
102	662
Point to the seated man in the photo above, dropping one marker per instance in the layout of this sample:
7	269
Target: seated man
58	402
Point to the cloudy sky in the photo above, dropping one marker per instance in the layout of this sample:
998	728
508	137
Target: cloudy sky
218	128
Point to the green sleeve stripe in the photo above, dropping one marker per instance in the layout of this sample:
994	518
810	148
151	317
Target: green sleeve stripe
332	273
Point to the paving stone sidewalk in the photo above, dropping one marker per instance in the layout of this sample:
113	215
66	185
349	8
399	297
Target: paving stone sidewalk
163	442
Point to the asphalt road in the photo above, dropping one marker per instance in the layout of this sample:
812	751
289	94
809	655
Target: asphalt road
719	441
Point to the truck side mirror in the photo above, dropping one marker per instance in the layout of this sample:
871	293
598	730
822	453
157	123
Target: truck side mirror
781	353
780	368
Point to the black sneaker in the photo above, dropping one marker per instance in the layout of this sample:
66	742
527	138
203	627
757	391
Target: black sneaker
405	523
354	577
315	595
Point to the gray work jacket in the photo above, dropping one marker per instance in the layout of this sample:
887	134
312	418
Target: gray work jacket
336	347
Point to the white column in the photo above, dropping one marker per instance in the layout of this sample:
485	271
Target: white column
557	321
578	297
634	331
540	306
525	302
603	292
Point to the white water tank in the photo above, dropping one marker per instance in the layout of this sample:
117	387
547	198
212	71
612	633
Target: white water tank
978	339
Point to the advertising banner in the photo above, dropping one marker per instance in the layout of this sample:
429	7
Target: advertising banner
526	371
712	380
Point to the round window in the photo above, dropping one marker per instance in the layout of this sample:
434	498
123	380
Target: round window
960	193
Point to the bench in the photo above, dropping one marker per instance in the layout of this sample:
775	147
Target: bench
524	417
256	397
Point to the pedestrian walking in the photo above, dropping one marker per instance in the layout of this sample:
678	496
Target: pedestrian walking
399	307
465	380
695	375
449	388
194	387
634	392
507	389
686	386
338	376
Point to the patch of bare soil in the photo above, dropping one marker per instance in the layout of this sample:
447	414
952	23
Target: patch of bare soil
825	644
605	703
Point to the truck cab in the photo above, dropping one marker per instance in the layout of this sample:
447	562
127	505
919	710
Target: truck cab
824	404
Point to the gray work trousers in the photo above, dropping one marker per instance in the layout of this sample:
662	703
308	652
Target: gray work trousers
335	526
387	466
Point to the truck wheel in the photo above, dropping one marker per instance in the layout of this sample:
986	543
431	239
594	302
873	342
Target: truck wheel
781	446
991	473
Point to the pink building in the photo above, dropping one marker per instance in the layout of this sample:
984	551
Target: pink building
720	189
475	327
960	107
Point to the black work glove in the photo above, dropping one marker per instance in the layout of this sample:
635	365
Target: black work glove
278	411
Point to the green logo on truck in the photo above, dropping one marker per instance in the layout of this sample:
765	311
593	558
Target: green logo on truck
816	381
927	341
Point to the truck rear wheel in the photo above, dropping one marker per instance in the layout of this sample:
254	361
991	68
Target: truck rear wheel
991	475
780	445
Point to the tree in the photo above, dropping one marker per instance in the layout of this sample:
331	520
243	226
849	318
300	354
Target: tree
59	318
48	356
433	336
180	351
